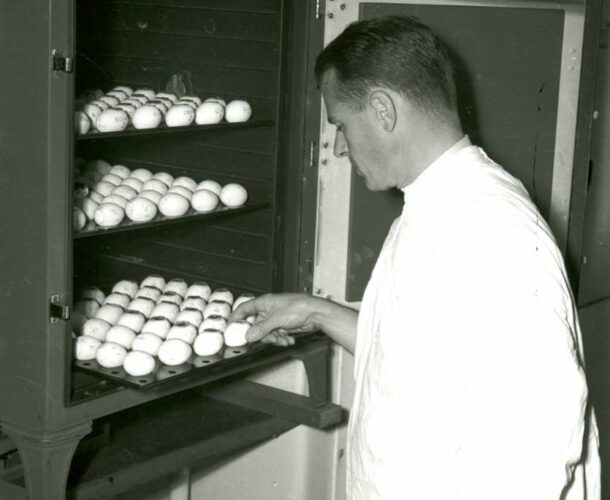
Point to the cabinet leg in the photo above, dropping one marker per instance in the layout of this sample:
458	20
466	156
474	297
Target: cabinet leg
46	458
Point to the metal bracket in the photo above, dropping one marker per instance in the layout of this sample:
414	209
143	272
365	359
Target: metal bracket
319	9
58	311
61	62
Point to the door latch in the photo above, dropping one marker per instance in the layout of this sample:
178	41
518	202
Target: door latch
57	310
61	62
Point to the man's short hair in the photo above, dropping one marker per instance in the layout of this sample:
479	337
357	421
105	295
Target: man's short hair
396	52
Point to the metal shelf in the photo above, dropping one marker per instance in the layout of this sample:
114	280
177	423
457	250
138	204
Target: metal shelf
161	220
165	131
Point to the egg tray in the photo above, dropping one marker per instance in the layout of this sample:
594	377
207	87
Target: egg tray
161	220
228	361
162	130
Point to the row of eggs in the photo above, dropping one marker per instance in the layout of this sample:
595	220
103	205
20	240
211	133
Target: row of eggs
136	325
147	109
115	192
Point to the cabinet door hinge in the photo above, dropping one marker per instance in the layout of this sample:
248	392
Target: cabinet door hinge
57	310
61	62
319	9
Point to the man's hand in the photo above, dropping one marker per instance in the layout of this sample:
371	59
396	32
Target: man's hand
279	315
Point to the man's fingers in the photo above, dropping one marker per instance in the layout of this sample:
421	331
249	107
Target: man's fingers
249	308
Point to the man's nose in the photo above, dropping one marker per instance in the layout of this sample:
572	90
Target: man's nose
340	147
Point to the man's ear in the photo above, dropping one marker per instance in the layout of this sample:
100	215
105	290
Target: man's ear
384	108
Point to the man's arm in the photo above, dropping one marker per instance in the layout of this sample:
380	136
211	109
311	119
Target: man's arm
279	314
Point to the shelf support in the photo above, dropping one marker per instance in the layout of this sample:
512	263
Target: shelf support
46	457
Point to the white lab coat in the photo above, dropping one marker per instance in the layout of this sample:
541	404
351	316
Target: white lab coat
468	363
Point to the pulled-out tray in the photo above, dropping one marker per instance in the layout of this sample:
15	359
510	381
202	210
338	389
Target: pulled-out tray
229	361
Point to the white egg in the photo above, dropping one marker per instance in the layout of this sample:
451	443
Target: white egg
142	305
147	342
117	199
85	347
166	310
173	205
168	179
218	100
183	331
100	104
109	215
142	174
113	179
125	191
179	115
186	182
217	308
213	322
156	185
92	111
204	200
192	98
147	116
110	355
104	188
191	316
149	292
166	101
174	352
154	280
166	95
122	335
127	287
223	295
210	185
151	195
148	93
233	195
82	123
161	105
209	113
208	343
88	307
79	219
241	299
112	120
121	170
96	328
199	289
110	313
238	111
235	333
190	104
136	102
171	297
135	184
141	209
181	190
96	197
130	109
118	299
100	166
119	94
110	100
133	320
158	326
176	285
92	292
138	364
123	88
196	303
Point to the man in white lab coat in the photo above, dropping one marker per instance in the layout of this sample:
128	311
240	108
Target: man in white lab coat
468	358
